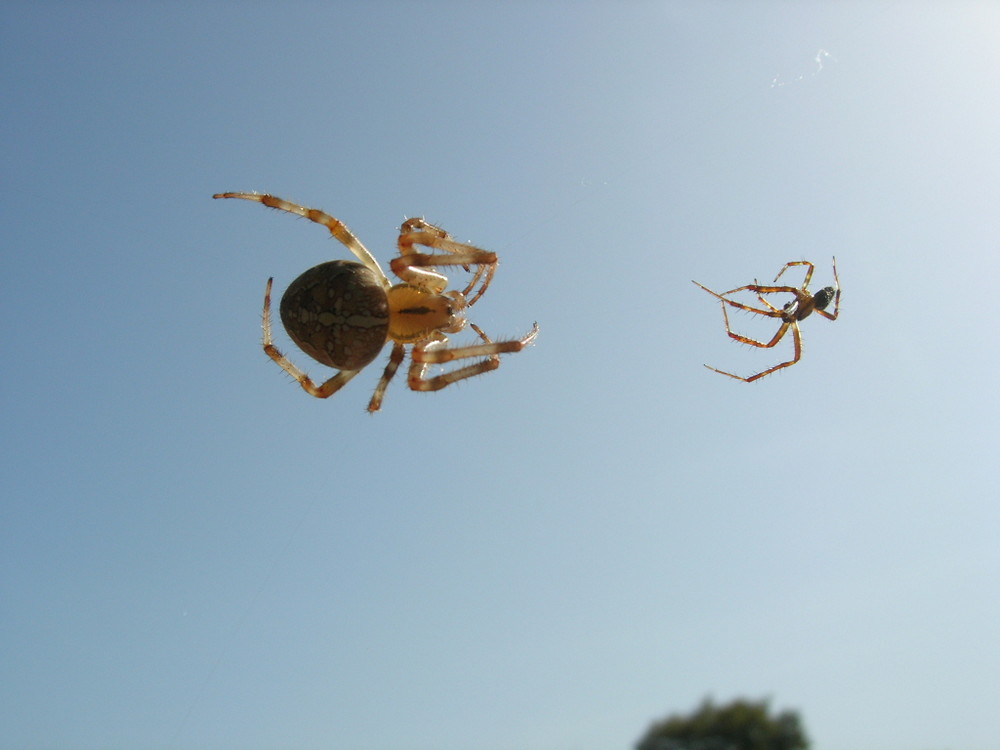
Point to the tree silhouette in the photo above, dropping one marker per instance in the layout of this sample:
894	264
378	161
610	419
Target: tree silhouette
740	725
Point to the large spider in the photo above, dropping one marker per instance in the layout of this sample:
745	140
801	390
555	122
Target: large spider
343	313
797	309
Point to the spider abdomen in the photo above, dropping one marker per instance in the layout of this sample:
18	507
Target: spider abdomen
824	297
338	314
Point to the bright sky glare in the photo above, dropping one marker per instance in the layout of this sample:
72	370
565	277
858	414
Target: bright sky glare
196	554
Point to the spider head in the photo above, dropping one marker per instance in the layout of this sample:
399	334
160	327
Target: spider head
824	297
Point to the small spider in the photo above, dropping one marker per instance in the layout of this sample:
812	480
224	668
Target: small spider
797	309
343	313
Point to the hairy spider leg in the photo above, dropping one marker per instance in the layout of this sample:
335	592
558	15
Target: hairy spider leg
418	269
763	301
337	228
754	342
796	338
774	312
325	390
412	265
396	358
809	273
803	288
760	296
436	352
802	300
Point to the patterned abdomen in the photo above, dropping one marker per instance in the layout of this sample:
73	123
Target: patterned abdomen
338	314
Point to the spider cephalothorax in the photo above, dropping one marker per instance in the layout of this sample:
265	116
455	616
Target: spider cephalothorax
799	308
342	313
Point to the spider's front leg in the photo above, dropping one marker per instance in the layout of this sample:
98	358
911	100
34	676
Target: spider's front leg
809	272
436	351
772	313
418	268
336	227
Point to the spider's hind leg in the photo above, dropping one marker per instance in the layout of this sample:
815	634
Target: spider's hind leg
754	342
797	338
324	390
395	360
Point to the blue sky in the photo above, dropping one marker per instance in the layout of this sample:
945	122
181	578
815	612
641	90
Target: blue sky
196	554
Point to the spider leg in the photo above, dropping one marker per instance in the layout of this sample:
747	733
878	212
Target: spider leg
836	310
753	342
437	352
760	296
337	228
762	289
324	390
759	290
773	313
809	273
796	337
418	268
395	360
